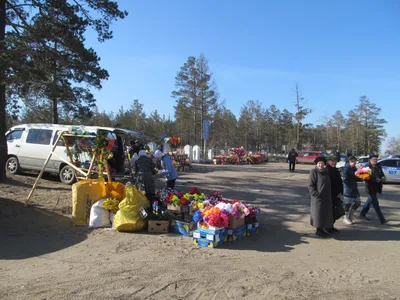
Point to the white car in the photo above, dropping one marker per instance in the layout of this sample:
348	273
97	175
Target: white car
29	145
391	169
362	161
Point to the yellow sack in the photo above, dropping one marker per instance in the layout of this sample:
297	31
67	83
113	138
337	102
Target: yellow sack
84	194
115	190
128	217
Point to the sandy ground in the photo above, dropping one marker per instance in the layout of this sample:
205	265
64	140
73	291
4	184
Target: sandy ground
42	256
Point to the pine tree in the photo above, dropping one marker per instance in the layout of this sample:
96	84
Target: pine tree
195	97
373	131
43	54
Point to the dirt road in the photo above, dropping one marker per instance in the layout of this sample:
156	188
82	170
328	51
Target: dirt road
42	256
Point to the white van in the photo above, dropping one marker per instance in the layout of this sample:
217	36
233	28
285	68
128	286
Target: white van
30	144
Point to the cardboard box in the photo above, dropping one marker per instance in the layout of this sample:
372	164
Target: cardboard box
175	209
252	229
184	228
209	239
235	222
238	233
158	226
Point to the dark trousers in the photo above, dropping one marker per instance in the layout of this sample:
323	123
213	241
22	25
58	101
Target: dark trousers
150	198
292	165
171	183
373	199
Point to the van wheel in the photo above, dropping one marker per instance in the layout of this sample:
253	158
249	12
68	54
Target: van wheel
12	165
67	175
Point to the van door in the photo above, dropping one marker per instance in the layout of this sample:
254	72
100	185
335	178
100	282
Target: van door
35	149
14	140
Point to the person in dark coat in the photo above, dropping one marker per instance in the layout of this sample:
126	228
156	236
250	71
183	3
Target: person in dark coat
134	148
336	191
373	187
292	160
319	185
351	195
144	171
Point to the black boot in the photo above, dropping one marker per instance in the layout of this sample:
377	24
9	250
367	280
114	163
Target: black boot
321	233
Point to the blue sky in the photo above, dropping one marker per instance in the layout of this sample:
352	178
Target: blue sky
337	51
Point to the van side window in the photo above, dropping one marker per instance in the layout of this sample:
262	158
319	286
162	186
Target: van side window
39	136
15	135
60	142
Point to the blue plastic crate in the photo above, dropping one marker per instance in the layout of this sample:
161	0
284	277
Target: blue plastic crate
236	234
252	229
205	238
184	228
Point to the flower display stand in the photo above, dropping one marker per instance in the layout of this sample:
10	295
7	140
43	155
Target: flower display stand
209	238
183	228
252	229
238	233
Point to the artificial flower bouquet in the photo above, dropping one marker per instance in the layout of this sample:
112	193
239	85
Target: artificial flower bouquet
212	216
111	204
174	141
364	173
253	213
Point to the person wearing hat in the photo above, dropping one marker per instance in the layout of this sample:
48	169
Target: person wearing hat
319	185
144	172
292	160
168	168
336	191
373	187
351	195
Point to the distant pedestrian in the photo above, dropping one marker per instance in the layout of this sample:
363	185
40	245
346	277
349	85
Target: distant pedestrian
351	195
168	168
373	187
319	185
336	192
292	160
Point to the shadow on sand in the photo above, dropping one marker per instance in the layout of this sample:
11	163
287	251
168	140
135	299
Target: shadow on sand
30	231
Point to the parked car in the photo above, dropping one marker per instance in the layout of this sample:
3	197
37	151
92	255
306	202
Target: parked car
391	169
309	156
362	161
340	164
29	145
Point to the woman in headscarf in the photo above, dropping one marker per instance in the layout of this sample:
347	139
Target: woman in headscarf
144	172
319	185
168	168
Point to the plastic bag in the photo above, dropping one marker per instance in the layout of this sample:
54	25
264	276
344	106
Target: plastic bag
128	217
112	215
115	190
99	216
84	194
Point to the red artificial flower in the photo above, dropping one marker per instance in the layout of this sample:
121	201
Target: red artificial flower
184	202
110	145
194	191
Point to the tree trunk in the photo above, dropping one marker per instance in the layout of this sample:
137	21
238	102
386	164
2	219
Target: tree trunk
3	141
55	93
55	111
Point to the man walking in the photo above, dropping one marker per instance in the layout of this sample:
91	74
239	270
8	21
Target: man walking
292	160
373	187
